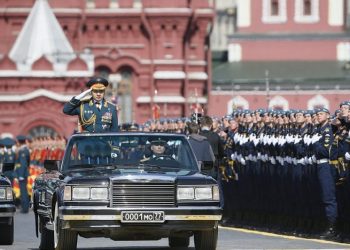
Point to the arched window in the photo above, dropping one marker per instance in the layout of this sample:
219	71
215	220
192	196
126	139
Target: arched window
279	103
42	131
237	102
307	11
318	101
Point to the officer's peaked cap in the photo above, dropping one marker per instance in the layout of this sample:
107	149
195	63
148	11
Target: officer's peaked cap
158	141
344	103
97	83
21	137
8	142
323	110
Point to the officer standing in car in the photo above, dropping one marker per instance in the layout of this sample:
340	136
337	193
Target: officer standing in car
96	115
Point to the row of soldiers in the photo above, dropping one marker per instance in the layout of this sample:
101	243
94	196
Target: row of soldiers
293	171
282	170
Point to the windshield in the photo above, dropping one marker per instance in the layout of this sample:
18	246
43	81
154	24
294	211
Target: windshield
122	152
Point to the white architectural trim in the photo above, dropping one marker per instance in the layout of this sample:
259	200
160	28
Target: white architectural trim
299	17
169	75
234	52
244	13
279	92
113	10
44	73
343	51
318	101
35	94
168	10
279	101
267	16
197	76
160	99
168	62
336	12
237	101
200	99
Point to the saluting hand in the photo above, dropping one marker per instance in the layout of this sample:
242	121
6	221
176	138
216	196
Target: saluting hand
82	95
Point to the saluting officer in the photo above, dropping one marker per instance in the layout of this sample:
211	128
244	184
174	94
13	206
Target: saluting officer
96	115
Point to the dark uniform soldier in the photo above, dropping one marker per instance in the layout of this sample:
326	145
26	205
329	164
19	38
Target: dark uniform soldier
326	173
21	171
96	115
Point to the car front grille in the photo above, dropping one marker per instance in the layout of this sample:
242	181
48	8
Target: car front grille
143	195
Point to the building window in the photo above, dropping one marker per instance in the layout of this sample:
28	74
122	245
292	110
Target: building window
279	103
307	8
237	102
274	11
274	8
318	101
307	11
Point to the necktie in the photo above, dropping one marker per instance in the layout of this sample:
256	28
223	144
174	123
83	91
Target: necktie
98	106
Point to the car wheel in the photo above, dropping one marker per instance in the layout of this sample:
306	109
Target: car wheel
206	240
64	239
6	236
179	241
46	237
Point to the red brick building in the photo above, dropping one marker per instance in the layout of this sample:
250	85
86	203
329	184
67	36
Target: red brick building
285	54
153	52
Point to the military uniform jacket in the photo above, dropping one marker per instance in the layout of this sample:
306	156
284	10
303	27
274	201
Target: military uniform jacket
91	118
22	162
322	147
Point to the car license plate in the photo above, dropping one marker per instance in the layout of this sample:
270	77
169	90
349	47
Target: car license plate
142	216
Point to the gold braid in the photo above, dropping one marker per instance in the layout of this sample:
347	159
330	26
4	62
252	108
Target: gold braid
82	119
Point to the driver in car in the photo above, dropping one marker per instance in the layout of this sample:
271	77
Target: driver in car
158	148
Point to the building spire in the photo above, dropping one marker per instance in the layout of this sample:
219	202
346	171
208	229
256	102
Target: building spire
40	36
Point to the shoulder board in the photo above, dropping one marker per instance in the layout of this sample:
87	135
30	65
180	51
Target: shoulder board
111	103
327	130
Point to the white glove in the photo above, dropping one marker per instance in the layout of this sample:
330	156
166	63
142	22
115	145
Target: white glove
82	95
314	160
272	160
242	161
347	156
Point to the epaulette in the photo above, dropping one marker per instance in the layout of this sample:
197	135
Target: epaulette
110	103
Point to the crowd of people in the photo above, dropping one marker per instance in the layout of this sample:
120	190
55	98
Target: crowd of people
279	170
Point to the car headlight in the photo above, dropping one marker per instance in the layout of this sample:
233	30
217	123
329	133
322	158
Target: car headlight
185	193
99	193
6	193
85	193
81	193
208	193
2	193
203	193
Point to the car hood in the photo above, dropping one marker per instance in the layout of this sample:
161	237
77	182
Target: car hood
141	176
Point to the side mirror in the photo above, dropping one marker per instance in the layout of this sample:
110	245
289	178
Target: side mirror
51	165
7	167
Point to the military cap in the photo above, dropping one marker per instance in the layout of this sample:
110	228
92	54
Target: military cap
97	83
322	110
337	111
21	138
344	103
309	112
158	141
8	142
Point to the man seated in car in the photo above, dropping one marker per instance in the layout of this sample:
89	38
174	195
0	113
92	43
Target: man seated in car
157	151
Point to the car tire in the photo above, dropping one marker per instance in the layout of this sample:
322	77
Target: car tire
6	237
46	237
179	241
64	239
206	240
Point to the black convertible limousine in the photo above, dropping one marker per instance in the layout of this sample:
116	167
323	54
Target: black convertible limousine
126	186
